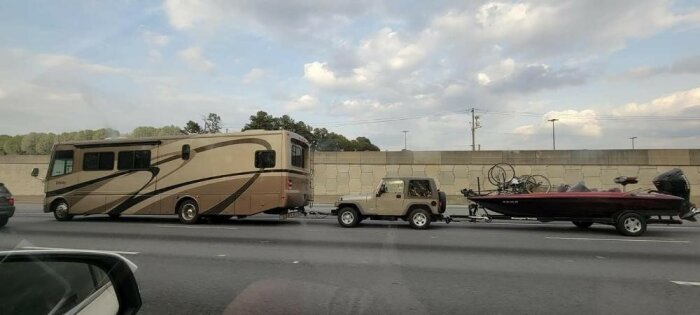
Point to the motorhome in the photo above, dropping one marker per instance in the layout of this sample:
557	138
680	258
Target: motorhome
195	176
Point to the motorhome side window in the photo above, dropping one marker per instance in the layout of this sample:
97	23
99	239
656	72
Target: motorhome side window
134	160
185	152
264	159
297	156
98	161
62	163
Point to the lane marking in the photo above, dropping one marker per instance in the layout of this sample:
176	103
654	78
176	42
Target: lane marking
696	284
612	239
68	249
197	227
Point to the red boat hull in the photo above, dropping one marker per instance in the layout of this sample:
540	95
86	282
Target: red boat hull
580	204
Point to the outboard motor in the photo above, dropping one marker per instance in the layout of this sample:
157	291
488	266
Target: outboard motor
675	183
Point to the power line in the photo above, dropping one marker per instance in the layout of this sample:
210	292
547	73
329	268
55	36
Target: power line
596	116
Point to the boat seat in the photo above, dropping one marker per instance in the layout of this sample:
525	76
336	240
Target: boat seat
625	180
580	187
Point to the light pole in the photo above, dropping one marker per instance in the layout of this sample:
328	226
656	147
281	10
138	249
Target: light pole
632	138
554	142
405	132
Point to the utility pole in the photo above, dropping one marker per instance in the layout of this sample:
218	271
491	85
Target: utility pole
405	132
475	125
554	142
632	138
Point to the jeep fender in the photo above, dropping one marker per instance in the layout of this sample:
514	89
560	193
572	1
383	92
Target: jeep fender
420	204
351	204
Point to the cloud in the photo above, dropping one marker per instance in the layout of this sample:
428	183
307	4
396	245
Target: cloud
301	17
319	74
578	122
304	102
548	28
631	119
253	75
53	61
675	104
688	65
194	58
509	77
154	39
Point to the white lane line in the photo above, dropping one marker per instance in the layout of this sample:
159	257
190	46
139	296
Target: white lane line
696	284
613	239
98	250
197	227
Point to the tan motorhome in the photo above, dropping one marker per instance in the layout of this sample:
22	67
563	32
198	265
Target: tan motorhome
219	175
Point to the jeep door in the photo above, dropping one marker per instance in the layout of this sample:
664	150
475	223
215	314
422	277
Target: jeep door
391	198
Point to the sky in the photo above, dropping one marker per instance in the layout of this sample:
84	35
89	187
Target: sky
607	70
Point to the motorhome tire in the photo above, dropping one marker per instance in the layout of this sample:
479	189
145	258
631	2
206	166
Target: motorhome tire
61	211
188	213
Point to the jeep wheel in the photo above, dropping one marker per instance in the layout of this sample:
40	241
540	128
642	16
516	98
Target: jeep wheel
348	217
419	219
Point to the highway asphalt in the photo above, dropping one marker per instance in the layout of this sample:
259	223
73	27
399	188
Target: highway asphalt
263	265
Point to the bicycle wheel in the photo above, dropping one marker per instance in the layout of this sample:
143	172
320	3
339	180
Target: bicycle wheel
501	174
537	183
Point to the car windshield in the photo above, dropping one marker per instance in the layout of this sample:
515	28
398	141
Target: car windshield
332	156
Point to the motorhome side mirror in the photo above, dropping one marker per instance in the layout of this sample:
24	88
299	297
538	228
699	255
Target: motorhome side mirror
67	282
35	172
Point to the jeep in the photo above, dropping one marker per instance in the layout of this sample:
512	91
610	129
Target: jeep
413	199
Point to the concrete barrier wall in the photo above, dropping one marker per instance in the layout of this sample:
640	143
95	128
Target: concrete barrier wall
15	172
338	173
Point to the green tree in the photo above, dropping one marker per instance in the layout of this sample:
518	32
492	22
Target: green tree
169	131
212	123
261	120
3	139
192	128
28	143
13	145
144	132
44	143
320	138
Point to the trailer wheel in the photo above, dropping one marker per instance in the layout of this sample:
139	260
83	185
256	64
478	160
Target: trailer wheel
188	212
61	211
631	224
348	217
582	224
419	219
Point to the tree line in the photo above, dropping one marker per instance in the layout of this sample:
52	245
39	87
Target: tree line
320	138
